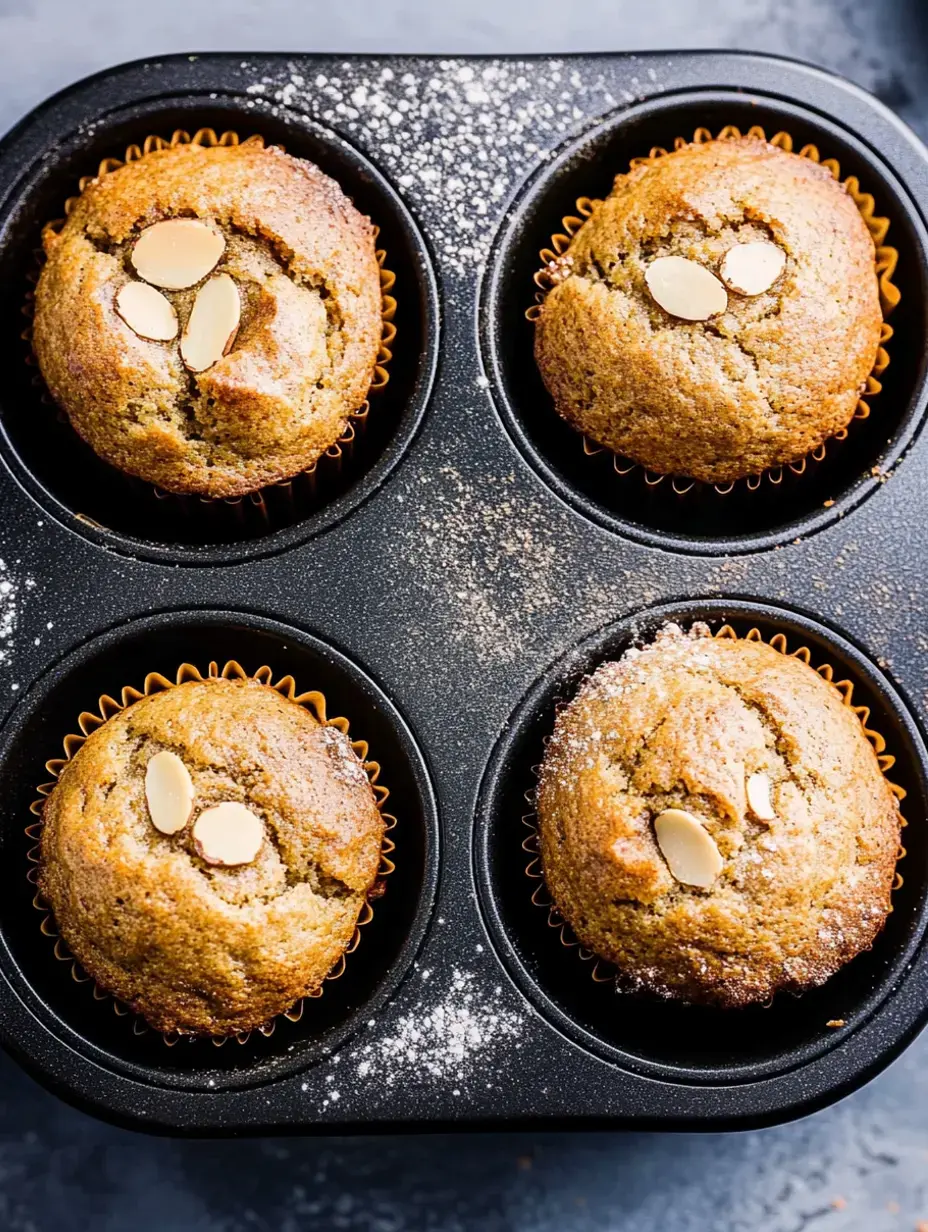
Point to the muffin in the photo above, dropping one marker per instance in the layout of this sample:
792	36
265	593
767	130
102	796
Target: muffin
209	317
717	315
714	822
206	854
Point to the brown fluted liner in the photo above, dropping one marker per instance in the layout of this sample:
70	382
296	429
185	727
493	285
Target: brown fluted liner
887	258
604	972
107	706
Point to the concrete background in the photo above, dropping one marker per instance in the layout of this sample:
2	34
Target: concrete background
859	1167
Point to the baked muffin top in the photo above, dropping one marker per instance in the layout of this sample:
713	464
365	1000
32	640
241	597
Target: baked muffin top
780	868
268	239
761	379
157	918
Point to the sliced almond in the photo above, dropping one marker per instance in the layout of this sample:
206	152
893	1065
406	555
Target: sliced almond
213	323
685	288
169	792
147	312
751	269
228	834
688	848
758	793
177	253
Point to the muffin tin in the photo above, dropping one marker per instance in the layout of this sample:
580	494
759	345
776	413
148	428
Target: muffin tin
444	588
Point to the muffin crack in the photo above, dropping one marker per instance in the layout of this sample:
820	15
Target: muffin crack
804	783
320	880
106	245
315	280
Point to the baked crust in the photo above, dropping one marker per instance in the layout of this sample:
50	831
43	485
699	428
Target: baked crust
191	946
763	384
682	724
305	264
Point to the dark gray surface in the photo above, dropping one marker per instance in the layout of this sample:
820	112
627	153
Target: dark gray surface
860	1166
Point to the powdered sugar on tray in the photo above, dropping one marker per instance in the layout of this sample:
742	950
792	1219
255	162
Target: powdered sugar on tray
456	1035
11	593
488	558
494	564
458	139
449	1037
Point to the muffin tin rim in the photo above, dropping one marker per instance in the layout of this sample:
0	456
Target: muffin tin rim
561	670
267	1070
491	292
424	291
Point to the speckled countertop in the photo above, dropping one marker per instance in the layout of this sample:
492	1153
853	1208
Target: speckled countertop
861	1166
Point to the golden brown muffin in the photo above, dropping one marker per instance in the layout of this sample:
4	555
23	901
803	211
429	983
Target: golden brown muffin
303	261
759	384
195	946
805	861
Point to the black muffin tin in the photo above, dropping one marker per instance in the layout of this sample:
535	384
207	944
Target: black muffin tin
446	587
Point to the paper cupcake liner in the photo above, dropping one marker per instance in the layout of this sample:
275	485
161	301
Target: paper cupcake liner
604	972
275	503
886	260
107	706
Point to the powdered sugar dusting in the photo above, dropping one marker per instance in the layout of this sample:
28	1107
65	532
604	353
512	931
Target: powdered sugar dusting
455	1035
467	546
342	758
674	648
494	564
457	139
11	593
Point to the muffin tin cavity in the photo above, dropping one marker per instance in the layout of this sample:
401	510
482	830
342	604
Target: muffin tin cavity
65	475
766	510
663	1038
388	943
